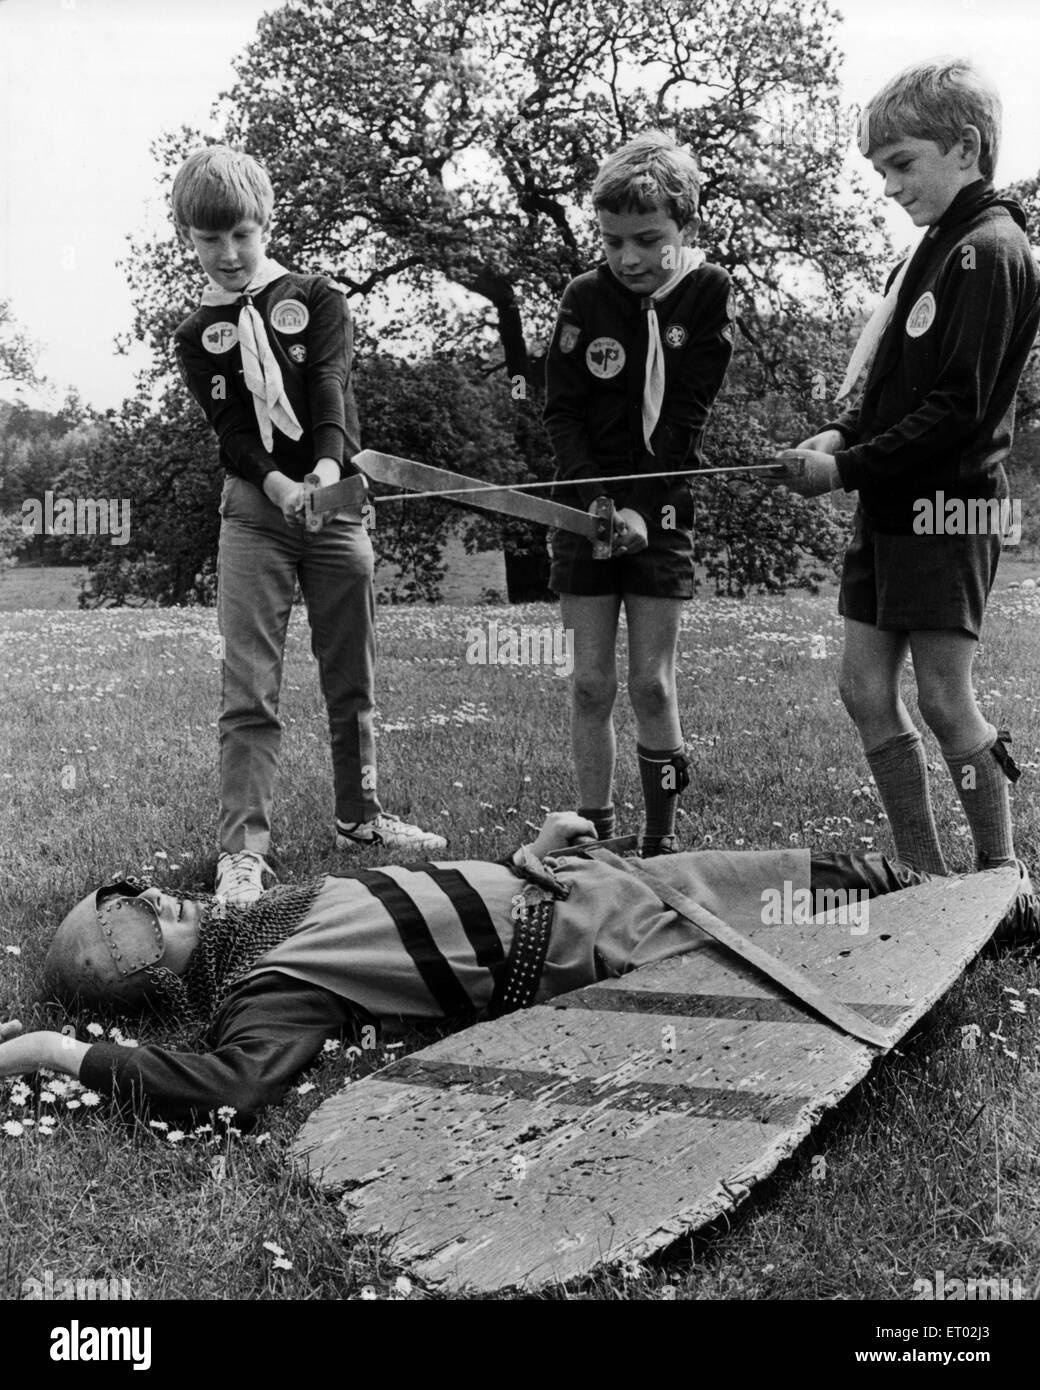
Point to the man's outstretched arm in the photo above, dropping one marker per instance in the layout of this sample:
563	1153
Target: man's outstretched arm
265	1035
29	1052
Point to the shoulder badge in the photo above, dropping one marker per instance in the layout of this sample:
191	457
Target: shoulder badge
604	357
290	316
569	335
220	337
921	316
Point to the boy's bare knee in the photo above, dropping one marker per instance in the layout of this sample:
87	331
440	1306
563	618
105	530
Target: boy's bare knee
946	717
870	704
594	694
650	695
858	698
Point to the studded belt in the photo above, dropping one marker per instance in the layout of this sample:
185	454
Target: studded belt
532	914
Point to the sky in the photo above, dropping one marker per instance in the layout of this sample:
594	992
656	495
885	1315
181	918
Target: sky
86	86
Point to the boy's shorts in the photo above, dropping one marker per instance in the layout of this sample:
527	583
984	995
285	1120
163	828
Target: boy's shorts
663	570
917	583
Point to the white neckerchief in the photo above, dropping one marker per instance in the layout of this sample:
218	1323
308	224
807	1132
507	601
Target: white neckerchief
867	343
259	364
653	386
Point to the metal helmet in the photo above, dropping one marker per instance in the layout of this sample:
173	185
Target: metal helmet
104	945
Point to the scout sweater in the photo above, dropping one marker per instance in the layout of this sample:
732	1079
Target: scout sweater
309	329
428	942
938	406
595	375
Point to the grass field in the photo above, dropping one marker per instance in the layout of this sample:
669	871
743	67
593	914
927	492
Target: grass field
107	723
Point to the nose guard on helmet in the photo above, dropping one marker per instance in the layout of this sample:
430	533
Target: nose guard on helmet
103	945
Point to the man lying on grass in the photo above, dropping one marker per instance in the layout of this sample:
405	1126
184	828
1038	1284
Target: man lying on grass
263	987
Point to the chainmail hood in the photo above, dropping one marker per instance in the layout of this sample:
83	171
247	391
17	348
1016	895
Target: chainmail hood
231	941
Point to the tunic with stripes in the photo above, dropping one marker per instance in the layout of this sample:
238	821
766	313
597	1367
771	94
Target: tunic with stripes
427	942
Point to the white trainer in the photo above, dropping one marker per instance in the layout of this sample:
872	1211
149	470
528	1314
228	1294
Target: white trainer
243	877
388	832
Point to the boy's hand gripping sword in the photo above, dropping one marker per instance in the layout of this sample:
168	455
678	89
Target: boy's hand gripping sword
597	525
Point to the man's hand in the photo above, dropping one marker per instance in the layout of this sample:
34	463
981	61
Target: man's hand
629	535
809	472
561	830
22	1053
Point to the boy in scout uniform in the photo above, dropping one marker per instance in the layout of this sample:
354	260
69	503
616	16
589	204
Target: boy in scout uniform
268	357
943	355
640	349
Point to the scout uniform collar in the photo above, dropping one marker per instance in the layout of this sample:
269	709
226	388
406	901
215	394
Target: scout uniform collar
690	259
260	367
266	275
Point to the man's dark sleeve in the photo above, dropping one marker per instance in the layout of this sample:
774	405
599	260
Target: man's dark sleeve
209	381
261	1040
330	353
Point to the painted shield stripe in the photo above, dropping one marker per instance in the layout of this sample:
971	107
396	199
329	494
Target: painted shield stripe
476	921
741	1006
550	1088
437	974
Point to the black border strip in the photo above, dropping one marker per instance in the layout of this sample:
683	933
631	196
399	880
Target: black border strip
748	1008
554	1088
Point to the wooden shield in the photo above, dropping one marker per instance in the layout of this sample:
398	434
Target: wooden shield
619	1117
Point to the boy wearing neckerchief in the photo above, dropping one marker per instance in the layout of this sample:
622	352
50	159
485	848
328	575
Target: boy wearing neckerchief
268	357
637	358
943	354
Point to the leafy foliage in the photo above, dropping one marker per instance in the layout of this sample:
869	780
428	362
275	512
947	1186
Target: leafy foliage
435	411
18	353
1027	408
437	159
164	462
750	539
12	540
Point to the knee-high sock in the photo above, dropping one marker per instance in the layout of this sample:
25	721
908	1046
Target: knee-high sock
662	775
981	783
901	774
602	817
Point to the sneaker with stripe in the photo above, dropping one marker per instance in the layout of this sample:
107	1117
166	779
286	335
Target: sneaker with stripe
386	832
